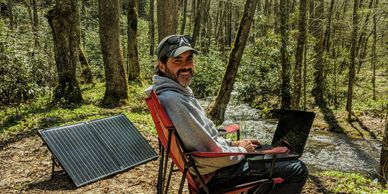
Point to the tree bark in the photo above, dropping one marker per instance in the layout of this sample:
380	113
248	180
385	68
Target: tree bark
217	110
167	17
64	20
115	79
36	23
326	40
206	28
184	16
363	40
133	59
276	26
86	72
374	55
319	81
352	60
141	7
152	28
197	23
193	13
285	63
299	55
228	24
11	15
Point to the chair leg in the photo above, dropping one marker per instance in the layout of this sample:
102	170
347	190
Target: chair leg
166	159
159	185
183	180
169	177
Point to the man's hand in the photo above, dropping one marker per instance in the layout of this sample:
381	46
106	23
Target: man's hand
249	145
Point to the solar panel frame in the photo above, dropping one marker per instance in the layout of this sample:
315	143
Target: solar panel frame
85	150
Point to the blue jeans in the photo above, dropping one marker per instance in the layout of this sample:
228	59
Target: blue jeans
294	173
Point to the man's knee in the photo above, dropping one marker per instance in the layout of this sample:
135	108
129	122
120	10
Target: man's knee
301	171
291	171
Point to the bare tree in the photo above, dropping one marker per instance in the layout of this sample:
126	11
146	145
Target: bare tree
133	59
299	55
115	79
374	55
184	17
285	63
352	73
64	20
217	110
152	27
317	25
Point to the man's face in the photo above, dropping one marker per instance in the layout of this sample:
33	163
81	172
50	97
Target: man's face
180	69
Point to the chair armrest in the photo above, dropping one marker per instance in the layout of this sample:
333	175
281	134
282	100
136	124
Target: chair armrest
273	151
232	128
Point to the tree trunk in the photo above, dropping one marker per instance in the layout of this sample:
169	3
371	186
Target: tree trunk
318	22
197	23
326	40
184	16
133	60
86	72
10	15
285	63
167	17
299	54
363	40
141	7
115	78
384	155
374	55
206	29
64	20
277	15
36	23
217	110
152	28
228	24
352	61
193	13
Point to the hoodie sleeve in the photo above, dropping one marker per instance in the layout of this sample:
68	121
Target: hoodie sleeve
197	132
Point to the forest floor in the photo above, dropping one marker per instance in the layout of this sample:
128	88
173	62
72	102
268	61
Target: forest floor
25	162
25	167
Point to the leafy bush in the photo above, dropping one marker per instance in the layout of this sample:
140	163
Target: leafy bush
16	84
209	73
259	74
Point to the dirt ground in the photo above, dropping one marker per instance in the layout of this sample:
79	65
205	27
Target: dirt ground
25	167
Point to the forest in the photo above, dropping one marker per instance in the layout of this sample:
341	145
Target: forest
66	61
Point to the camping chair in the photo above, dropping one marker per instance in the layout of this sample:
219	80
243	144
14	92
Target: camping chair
172	146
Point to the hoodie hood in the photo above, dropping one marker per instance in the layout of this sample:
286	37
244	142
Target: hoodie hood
161	84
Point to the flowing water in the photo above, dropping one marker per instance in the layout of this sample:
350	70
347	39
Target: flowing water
323	151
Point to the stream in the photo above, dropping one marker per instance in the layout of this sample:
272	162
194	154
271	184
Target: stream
323	151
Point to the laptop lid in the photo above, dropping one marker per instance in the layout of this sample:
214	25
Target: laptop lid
293	129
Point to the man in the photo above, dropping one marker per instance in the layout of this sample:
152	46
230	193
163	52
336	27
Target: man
175	71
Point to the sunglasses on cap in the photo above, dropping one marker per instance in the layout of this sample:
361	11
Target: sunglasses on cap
174	46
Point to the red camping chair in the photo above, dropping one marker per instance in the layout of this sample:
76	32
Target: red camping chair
171	146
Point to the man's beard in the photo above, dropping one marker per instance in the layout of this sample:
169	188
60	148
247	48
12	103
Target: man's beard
184	80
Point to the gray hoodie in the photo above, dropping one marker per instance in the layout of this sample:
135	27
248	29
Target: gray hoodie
197	132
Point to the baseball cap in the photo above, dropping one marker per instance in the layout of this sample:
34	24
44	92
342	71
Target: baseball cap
174	45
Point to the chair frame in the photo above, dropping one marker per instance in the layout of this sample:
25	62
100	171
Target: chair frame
171	146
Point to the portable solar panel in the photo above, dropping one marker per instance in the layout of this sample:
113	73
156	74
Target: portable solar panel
92	150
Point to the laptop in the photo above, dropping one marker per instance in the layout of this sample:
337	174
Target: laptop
292	132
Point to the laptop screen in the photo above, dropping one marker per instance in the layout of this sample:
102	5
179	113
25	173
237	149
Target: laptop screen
293	129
